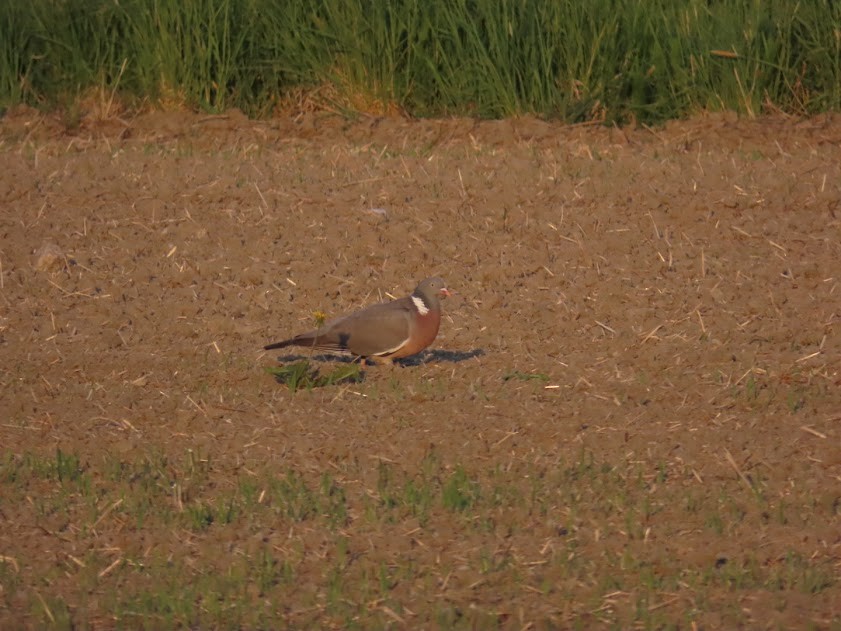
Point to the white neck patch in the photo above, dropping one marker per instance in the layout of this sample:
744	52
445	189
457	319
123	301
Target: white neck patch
420	305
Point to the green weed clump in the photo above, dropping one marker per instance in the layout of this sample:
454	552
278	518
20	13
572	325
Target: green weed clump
576	61
301	375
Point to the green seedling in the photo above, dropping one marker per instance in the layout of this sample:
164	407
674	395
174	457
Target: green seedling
522	376
303	376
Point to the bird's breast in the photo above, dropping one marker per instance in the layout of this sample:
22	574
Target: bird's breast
422	333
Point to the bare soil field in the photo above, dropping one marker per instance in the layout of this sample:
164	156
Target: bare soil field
631	417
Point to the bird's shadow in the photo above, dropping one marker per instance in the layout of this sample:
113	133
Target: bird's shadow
426	357
441	356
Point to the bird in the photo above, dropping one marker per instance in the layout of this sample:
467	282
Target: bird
381	332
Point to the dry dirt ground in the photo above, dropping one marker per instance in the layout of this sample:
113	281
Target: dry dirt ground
631	417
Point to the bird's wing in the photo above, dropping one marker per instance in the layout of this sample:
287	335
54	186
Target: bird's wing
376	330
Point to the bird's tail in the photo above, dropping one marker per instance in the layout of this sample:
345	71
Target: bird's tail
282	344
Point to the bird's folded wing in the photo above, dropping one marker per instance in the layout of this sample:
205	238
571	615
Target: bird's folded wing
377	330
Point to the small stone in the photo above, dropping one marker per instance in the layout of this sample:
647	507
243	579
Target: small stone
49	258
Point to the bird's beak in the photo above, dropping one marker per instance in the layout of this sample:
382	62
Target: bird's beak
445	292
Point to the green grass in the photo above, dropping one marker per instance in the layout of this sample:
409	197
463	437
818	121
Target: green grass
576	61
522	376
302	375
314	549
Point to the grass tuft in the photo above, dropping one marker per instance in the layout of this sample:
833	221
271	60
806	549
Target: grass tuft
303	376
523	376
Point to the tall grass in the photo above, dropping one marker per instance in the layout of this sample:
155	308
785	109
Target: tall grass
604	59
